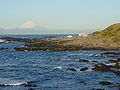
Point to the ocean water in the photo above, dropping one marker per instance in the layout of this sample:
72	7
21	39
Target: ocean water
38	35
49	70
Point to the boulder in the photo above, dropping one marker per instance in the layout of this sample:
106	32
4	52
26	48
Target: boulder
81	60
105	83
31	89
101	67
28	84
71	69
115	60
84	69
110	54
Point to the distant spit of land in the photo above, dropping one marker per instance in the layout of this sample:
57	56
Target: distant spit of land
108	38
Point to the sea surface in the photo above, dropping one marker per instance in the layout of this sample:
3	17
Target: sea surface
49	70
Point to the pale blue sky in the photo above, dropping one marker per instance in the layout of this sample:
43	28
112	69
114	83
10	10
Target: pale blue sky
60	14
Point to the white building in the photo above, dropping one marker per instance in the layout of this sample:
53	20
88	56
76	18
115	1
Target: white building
69	36
83	34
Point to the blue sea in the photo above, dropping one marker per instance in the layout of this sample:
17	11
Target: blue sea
49	70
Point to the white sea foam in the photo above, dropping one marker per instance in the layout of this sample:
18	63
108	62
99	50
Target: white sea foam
59	67
9	82
2	40
14	84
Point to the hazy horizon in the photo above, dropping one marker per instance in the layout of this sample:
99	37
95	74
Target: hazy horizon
57	16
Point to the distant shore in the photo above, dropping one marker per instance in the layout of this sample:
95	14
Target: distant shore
107	39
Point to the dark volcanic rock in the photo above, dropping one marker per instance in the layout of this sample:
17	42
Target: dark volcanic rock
3	48
115	60
84	69
110	54
94	61
115	68
28	84
71	69
101	67
105	83
83	60
31	89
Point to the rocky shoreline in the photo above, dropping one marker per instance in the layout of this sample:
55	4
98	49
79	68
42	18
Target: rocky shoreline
59	44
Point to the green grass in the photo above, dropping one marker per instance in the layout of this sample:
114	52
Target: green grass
112	32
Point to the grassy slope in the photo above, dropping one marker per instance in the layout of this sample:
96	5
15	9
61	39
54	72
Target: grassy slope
112	32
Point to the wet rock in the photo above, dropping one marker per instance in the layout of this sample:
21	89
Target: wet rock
31	89
28	84
83	60
115	68
3	49
114	65
105	83
101	67
94	61
84	69
110	54
1	85
71	69
115	60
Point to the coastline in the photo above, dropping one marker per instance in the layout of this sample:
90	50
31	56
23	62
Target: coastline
107	39
62	44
